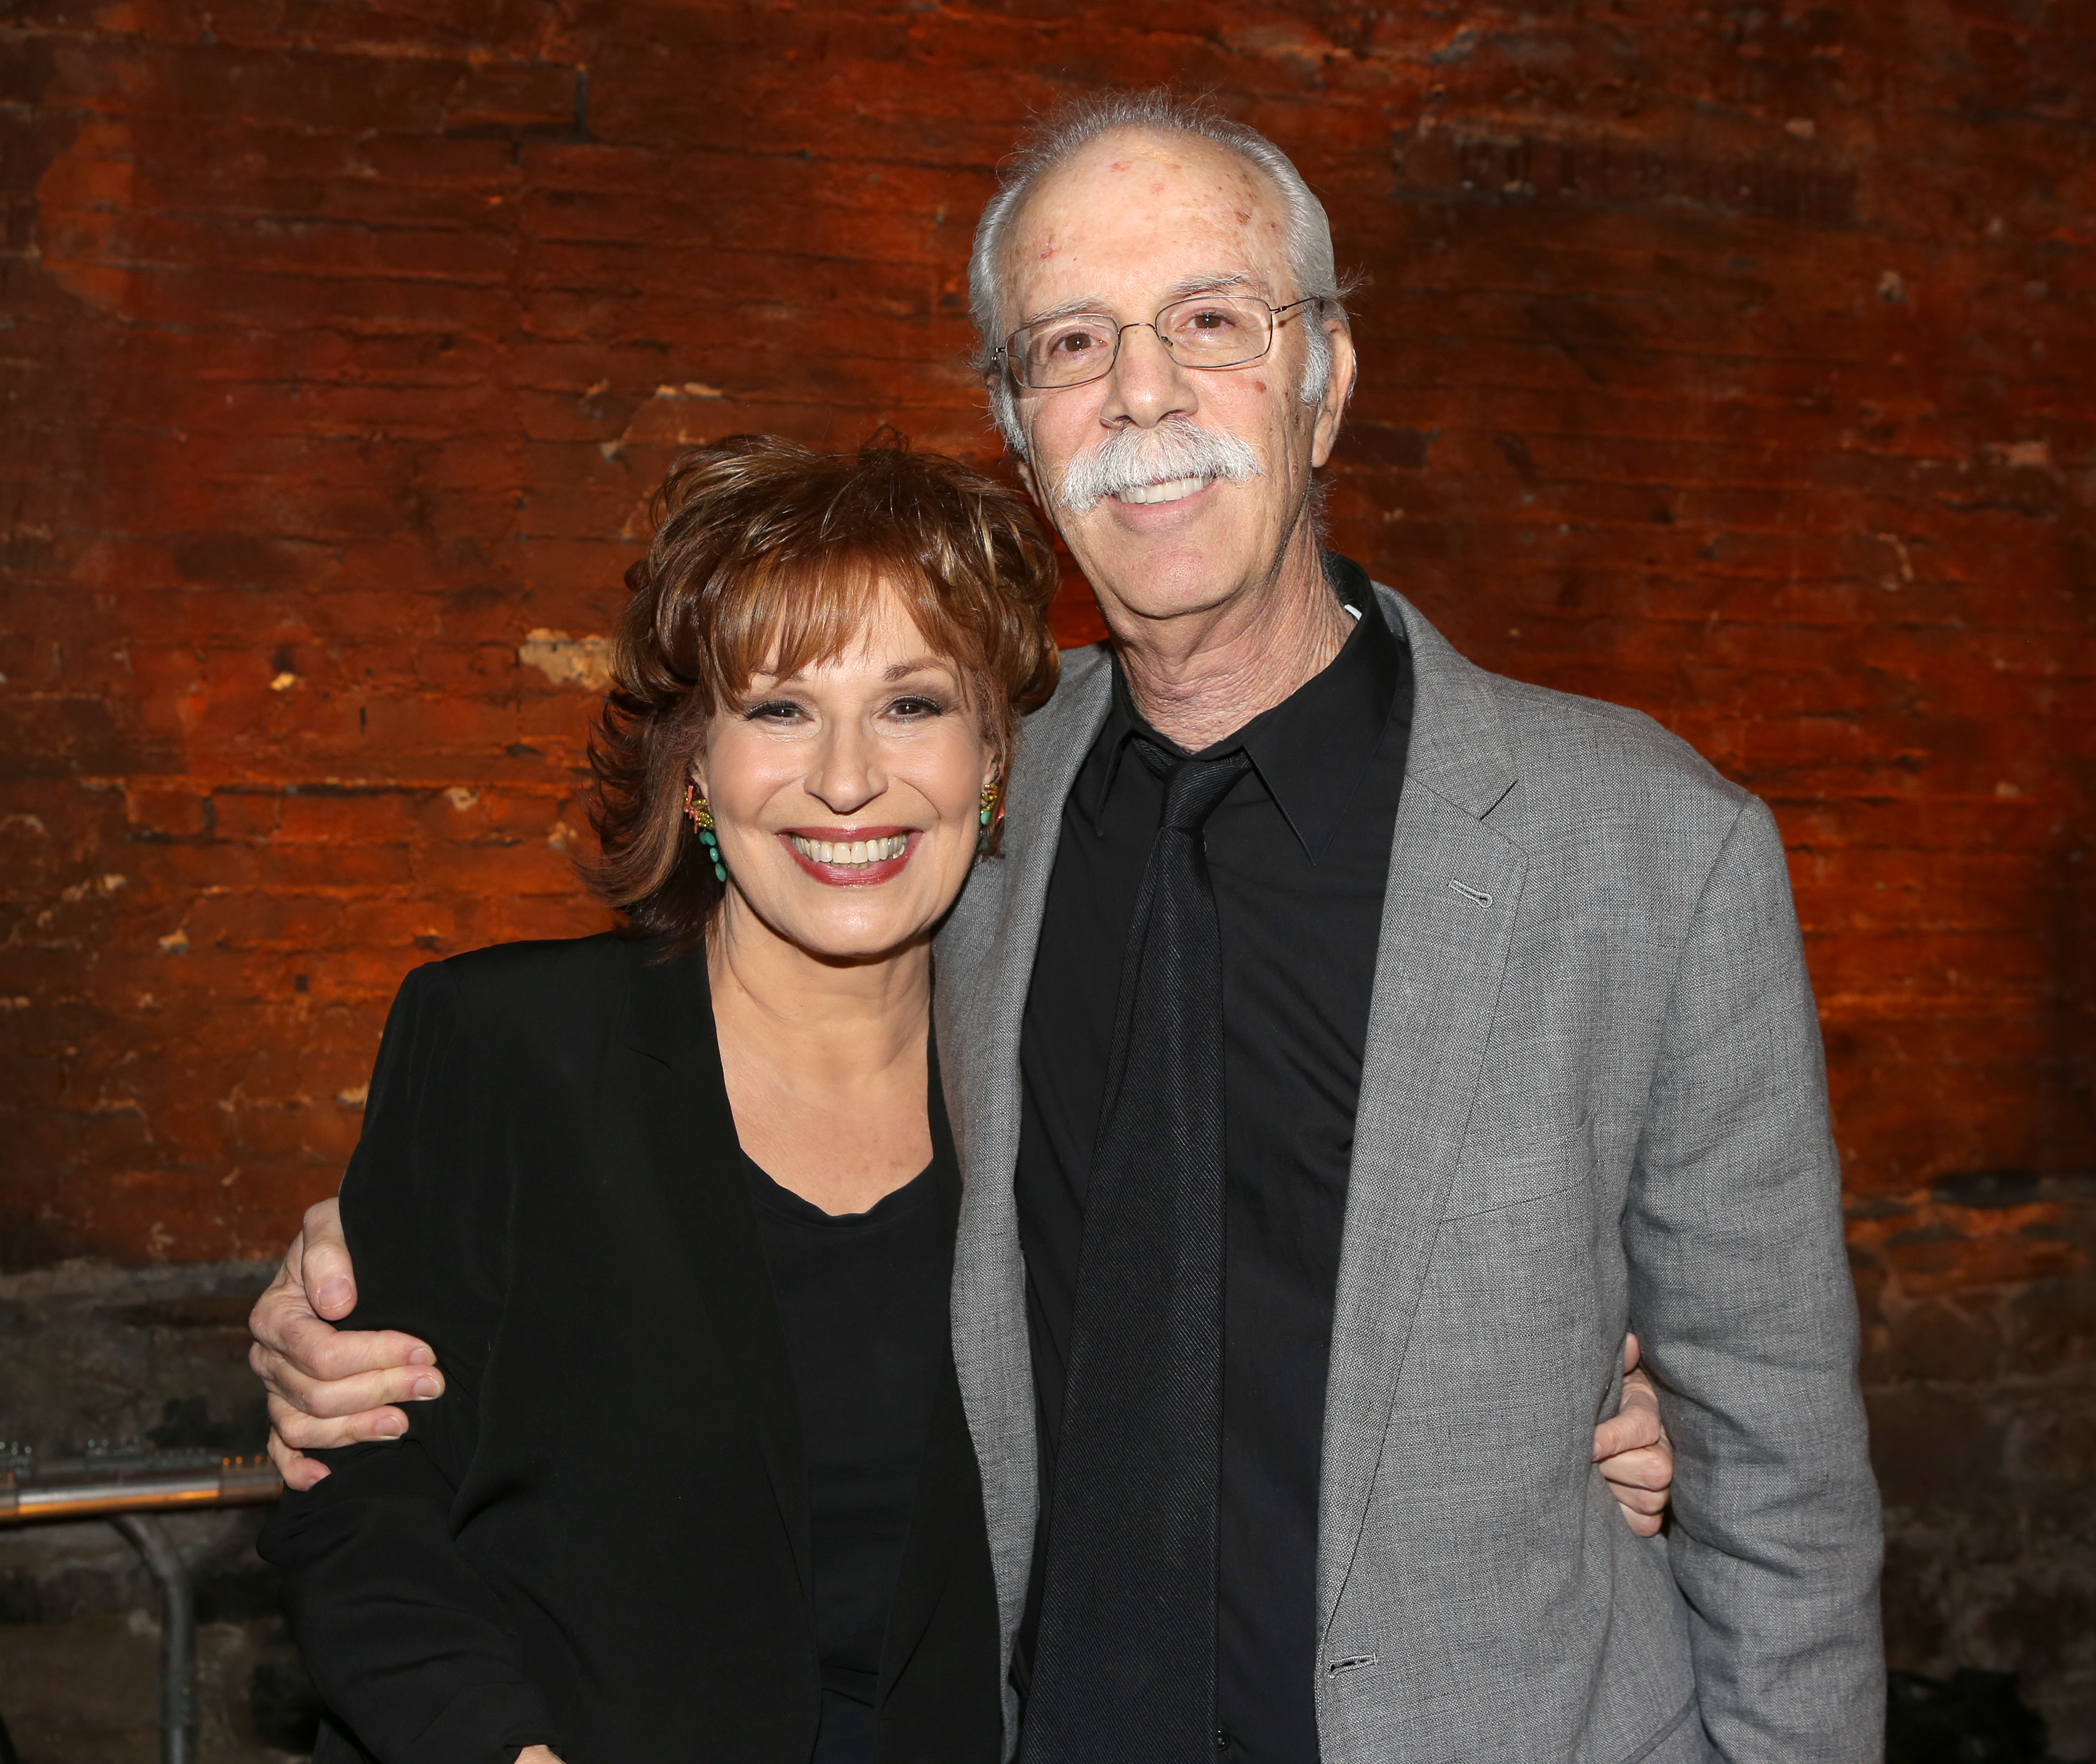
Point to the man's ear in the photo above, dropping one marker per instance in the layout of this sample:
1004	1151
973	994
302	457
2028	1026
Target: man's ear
1338	388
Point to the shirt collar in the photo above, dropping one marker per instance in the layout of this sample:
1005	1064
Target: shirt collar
1311	748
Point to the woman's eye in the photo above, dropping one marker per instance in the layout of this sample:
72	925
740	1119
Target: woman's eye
773	710
916	707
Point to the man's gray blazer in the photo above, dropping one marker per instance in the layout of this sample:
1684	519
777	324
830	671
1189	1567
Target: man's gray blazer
1591	1098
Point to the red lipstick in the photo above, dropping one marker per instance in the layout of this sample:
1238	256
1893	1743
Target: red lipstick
851	875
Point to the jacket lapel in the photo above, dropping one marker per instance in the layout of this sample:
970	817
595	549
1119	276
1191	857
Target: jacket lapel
984	966
1454	889
665	1082
947	1485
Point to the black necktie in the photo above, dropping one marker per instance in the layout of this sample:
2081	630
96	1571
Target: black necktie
1124	1666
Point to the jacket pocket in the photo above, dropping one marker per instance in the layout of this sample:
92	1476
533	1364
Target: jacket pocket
1485	1180
1679	1741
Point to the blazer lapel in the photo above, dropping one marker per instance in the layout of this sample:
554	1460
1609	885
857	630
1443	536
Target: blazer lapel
1454	889
667	1081
984	966
986	950
947	1485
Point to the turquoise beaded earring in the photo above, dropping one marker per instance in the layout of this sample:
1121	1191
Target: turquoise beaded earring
992	811
701	812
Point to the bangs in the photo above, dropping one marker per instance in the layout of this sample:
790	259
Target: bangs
790	613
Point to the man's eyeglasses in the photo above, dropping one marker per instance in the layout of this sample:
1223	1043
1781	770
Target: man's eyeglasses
1208	331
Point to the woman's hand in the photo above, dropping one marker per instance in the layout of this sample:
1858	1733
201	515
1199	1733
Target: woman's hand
1632	1448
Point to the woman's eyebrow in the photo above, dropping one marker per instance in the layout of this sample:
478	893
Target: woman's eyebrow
924	664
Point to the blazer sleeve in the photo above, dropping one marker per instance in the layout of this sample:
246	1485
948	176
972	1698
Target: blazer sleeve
404	1640
1739	1291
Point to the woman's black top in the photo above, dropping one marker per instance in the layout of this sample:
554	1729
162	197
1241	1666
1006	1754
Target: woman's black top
605	1536
862	1302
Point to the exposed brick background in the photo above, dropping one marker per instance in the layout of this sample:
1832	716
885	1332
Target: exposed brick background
1733	361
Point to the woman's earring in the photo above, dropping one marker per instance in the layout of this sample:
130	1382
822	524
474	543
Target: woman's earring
993	812
701	812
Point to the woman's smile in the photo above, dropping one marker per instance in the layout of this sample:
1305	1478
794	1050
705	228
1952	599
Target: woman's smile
851	857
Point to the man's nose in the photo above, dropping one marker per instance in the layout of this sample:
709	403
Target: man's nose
1146	385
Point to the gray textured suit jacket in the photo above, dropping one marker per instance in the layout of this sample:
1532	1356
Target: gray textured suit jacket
1592	1098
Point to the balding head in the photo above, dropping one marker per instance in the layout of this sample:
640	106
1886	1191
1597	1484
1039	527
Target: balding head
1065	137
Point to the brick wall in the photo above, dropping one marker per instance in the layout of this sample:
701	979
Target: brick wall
1733	361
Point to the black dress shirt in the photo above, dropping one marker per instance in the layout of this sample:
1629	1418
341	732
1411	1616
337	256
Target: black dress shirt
1299	853
862	1306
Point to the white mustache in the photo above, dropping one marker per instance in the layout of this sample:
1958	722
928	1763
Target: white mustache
1129	459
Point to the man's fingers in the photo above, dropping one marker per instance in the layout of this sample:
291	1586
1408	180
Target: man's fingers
324	1269
1644	1524
301	1432
299	1473
333	1399
285	1324
1631	1354
322	1352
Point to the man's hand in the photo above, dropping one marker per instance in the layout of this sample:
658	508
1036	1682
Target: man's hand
1632	1448
335	1387
329	1386
538	1754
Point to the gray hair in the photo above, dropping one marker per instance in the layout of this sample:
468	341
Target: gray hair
1077	124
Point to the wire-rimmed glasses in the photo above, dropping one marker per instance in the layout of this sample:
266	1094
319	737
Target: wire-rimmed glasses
1205	331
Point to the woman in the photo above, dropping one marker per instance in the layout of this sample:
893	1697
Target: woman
675	1209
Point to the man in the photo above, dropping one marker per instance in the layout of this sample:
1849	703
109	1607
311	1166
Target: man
1351	1046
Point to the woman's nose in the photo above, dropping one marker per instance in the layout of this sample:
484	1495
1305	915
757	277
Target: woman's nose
848	775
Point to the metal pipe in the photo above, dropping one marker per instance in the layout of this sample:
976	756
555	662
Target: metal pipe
178	1674
127	1489
84	1489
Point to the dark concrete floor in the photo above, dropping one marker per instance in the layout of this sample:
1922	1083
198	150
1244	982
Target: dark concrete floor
86	1692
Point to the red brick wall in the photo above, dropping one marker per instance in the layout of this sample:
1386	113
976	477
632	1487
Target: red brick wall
1732	361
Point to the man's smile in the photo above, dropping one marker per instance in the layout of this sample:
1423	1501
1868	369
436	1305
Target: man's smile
1168	490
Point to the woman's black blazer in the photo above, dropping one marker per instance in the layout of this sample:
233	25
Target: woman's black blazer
598	1538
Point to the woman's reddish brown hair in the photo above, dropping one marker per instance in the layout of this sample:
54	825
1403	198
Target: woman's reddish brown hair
769	557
